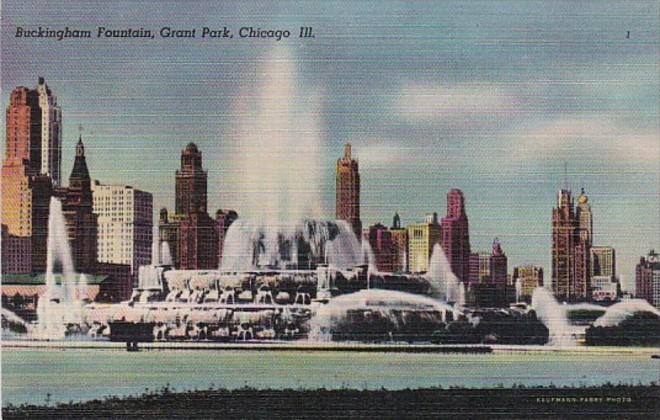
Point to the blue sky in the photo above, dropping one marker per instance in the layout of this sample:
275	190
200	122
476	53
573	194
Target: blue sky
491	97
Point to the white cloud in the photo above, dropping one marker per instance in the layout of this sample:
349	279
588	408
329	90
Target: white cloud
593	137
426	102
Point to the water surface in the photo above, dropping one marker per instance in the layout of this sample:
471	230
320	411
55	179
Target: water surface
30	375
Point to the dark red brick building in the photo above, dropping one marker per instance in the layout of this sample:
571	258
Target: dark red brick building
455	235
191	233
380	240
348	191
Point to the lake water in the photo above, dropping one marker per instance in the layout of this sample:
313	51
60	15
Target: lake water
29	375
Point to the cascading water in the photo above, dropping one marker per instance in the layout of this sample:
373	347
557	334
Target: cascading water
388	309
61	304
251	245
621	311
443	282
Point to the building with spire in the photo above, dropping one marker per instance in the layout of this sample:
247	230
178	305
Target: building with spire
78	208
190	232
455	234
348	191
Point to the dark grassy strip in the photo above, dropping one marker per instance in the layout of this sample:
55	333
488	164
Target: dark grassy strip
607	401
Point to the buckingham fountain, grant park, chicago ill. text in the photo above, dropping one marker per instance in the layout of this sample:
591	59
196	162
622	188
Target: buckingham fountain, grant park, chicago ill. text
347	210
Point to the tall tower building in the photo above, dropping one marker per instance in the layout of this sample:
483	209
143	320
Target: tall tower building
191	233
78	209
21	157
23	145
563	247
572	232
125	225
584	218
51	132
30	169
455	234
191	182
348	191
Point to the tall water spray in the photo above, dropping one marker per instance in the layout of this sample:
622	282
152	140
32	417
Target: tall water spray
518	289
443	282
554	317
155	248
61	304
278	154
165	254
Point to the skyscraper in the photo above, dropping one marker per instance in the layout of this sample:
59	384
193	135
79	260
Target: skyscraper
30	168
51	132
191	233
191	182
455	234
125	224
571	247
78	209
348	191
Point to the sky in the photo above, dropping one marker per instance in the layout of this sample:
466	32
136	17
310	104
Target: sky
491	97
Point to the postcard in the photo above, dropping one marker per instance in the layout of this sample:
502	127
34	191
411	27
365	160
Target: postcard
255	209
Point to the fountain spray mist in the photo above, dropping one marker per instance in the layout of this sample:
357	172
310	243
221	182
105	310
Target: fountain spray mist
443	282
61	304
278	143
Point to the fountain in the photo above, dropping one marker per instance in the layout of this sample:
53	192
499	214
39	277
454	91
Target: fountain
165	255
444	283
251	245
285	271
519	287
379	314
554	316
619	312
60	307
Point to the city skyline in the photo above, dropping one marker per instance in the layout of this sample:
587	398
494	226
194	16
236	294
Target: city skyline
472	114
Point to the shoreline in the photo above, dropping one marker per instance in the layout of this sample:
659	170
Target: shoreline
321	347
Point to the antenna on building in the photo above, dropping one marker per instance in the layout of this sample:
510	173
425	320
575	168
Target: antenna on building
566	175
